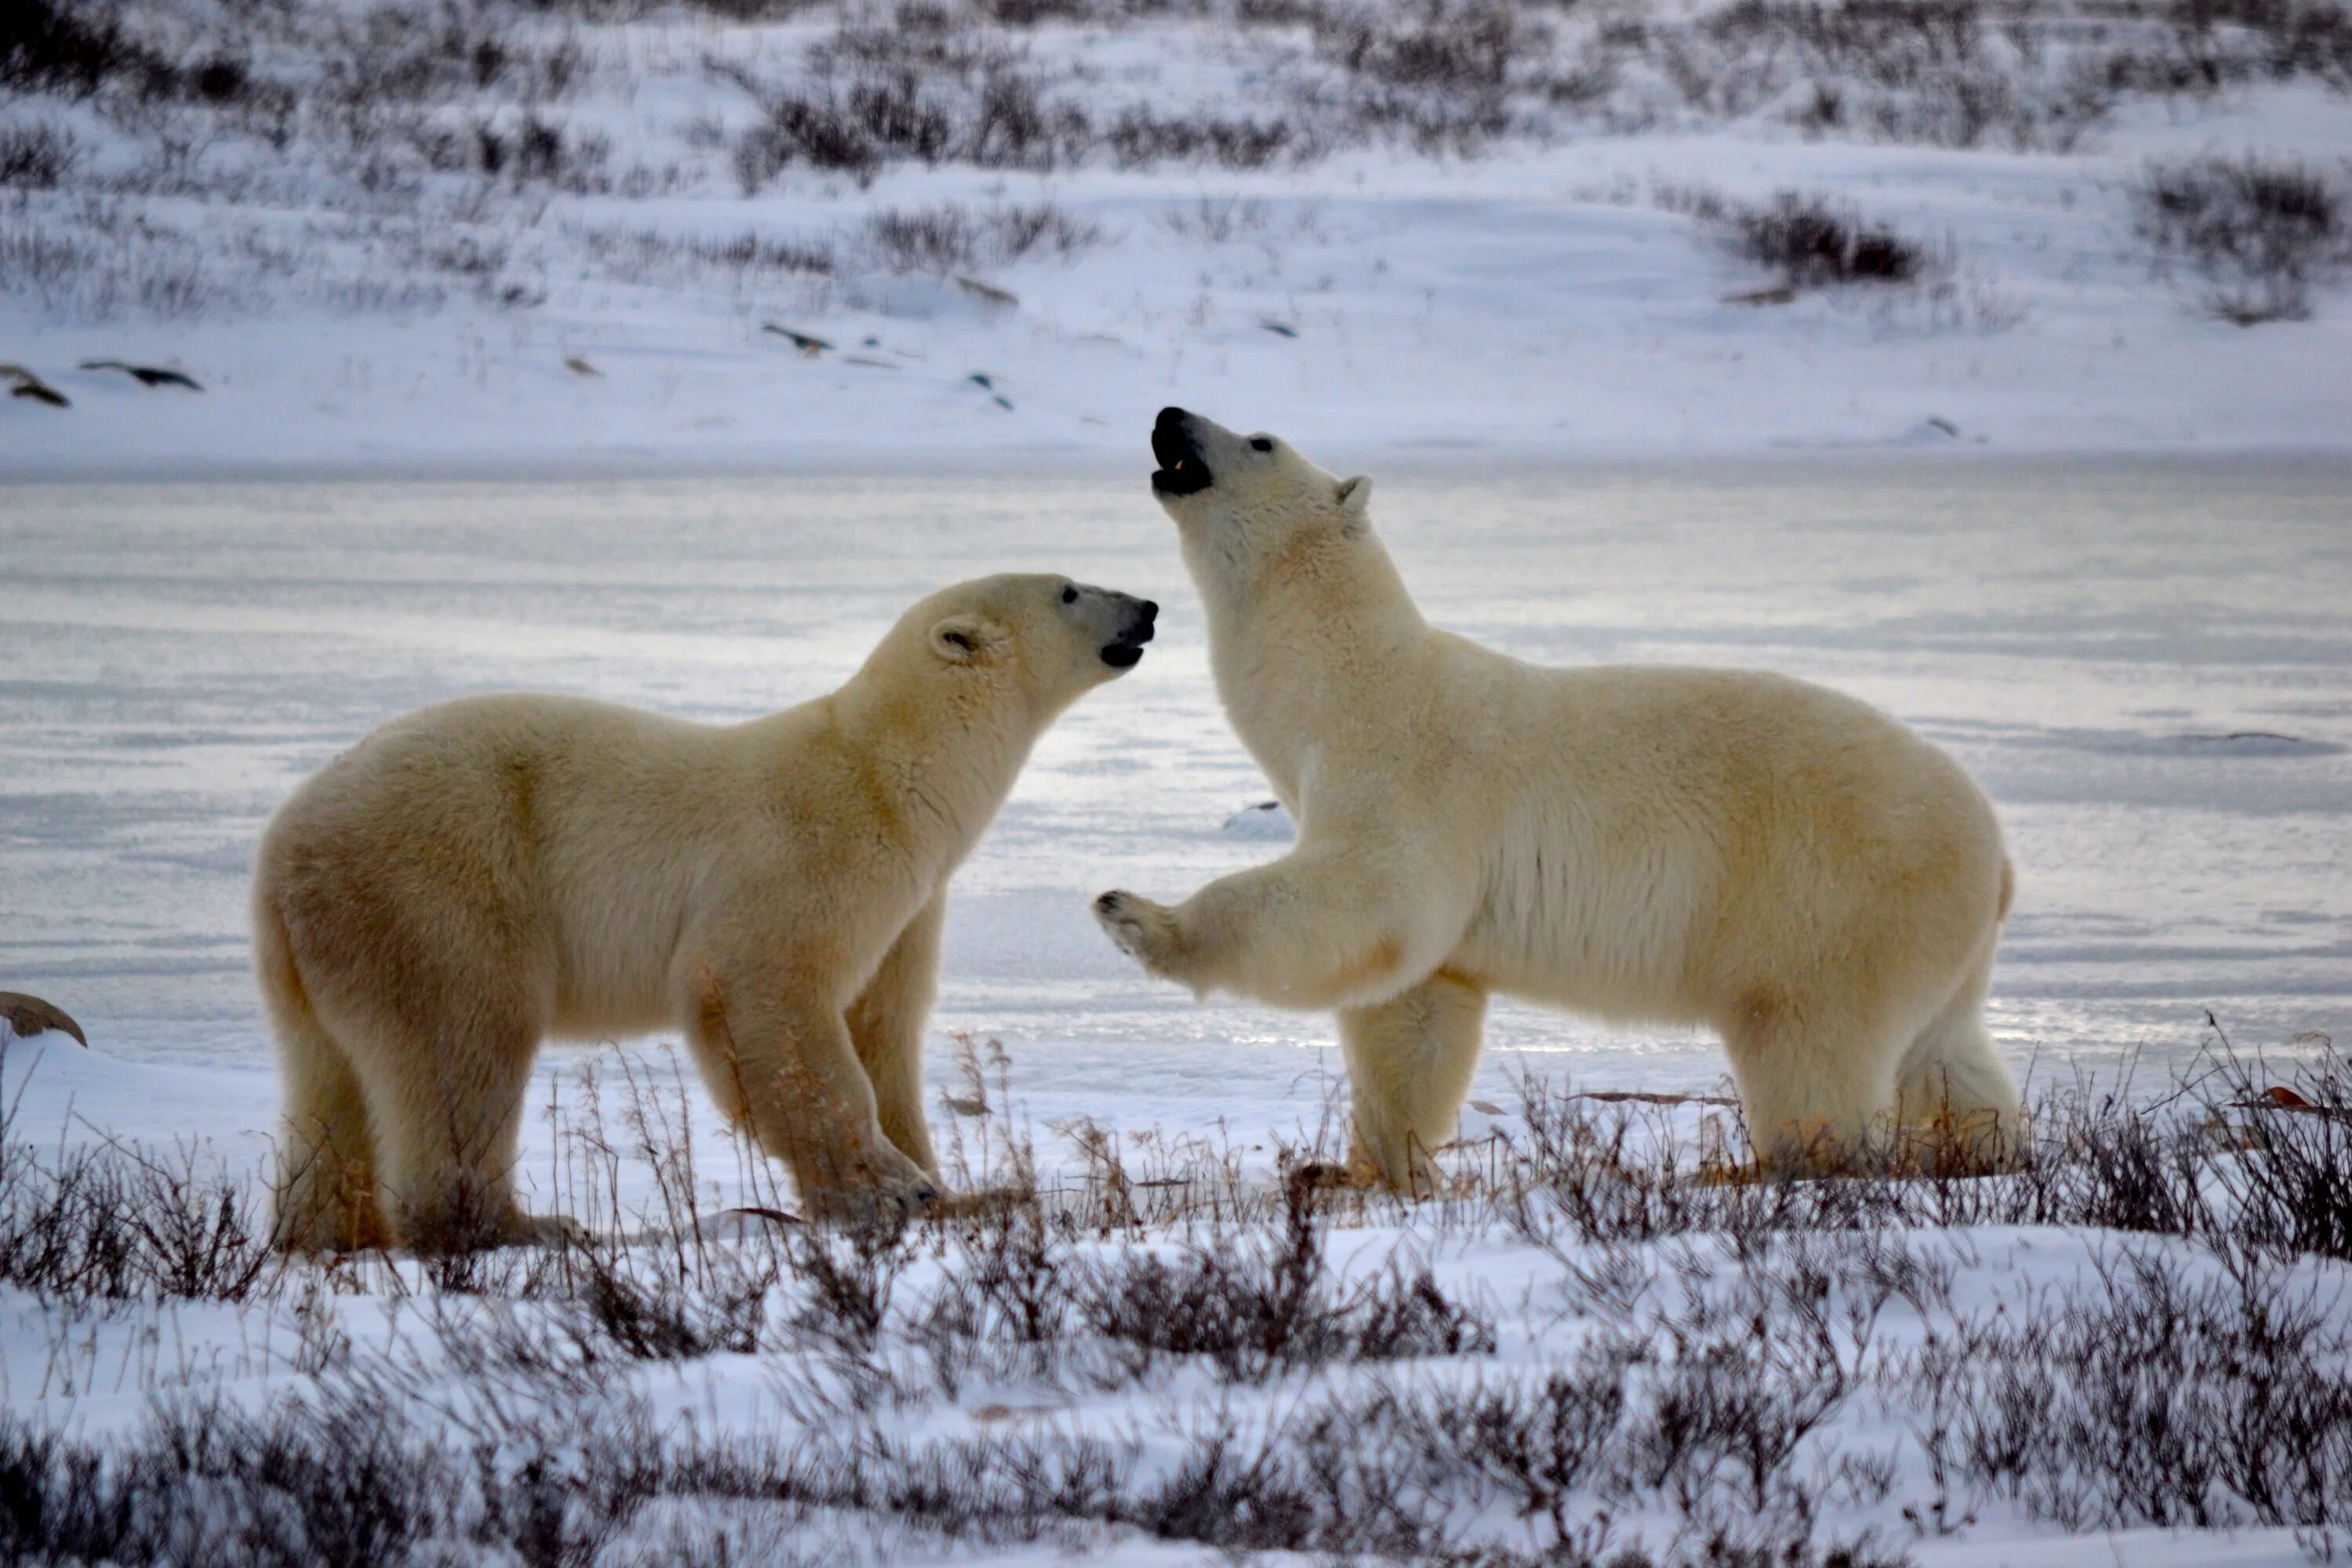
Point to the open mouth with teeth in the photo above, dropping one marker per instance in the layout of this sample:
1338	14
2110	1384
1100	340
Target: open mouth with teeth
1181	472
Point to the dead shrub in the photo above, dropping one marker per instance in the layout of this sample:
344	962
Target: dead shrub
1813	244
34	156
2259	232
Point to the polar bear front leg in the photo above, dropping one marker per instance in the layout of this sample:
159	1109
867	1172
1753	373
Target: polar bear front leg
1328	927
886	1024
1408	1066
779	1059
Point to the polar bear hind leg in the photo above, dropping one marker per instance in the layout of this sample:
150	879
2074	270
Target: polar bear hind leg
1956	1104
404	1076
440	1027
445	1099
326	1196
1409	1060
1817	1080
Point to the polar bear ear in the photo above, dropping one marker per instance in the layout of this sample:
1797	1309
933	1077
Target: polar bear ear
966	638
1354	496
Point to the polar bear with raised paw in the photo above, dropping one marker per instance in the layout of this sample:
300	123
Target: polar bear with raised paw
1742	850
481	875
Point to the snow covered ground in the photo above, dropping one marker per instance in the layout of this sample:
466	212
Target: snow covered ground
1450	243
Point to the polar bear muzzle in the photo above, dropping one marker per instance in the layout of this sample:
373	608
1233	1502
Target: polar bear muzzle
1183	470
1125	650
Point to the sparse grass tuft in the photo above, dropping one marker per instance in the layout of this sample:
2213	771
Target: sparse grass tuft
1812	245
1807	241
885	114
1266	1304
68	47
1140	138
526	151
2157	1399
35	157
749	257
2261	233
1447	47
951	237
1704	1373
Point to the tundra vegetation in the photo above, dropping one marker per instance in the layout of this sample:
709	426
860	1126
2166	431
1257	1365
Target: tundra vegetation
1598	1345
183	158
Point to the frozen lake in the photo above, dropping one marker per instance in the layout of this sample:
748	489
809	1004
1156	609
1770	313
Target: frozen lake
2148	664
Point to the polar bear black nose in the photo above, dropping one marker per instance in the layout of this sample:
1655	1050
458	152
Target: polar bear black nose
1151	609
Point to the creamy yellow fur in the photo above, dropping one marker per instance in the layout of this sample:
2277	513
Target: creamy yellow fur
1736	849
479	875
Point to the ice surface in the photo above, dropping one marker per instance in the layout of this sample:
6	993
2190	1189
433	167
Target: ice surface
2148	664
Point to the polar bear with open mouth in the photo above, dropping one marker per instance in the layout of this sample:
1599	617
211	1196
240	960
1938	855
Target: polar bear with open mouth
1739	850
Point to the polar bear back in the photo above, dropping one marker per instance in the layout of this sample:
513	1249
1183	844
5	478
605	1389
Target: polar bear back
1676	831
587	830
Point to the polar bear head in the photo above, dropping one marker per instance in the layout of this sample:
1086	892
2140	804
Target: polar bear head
1239	499
1037	636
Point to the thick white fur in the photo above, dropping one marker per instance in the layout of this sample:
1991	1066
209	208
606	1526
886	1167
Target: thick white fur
1737	850
478	875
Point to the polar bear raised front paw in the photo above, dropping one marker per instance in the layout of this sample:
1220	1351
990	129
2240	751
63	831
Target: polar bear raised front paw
1141	929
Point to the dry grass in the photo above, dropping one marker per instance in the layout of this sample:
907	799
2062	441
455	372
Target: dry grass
34	156
471	112
2260	234
1713	1355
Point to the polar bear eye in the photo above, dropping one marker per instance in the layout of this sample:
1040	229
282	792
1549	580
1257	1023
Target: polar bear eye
1069	594
1262	443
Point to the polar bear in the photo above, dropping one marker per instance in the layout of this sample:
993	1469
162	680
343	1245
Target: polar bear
478	875
1737	850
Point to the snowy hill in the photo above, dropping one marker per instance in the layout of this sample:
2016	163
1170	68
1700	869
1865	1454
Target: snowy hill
490	232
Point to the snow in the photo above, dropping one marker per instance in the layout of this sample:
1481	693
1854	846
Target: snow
100	1370
2140	1548
1534	301
1265	821
2081	534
